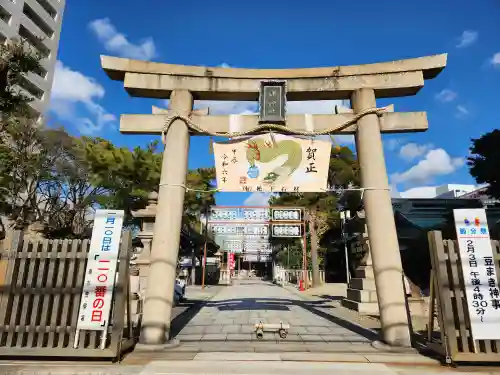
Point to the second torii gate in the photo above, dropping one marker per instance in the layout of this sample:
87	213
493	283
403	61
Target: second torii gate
362	84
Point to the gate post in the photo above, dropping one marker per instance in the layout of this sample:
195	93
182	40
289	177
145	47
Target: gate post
386	257
166	238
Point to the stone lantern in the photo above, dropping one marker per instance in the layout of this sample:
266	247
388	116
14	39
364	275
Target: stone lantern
147	217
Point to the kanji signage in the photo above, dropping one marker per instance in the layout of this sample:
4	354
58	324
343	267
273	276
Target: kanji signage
241	229
272	101
234	246
281	164
286	214
480	277
96	300
256	246
287	230
256	258
254	214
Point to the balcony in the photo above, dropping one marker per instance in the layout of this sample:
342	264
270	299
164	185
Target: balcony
34	17
34	41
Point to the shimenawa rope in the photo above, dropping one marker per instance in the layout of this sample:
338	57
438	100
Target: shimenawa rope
277	127
281	128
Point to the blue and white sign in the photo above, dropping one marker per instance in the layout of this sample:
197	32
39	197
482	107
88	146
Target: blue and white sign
479	270
96	300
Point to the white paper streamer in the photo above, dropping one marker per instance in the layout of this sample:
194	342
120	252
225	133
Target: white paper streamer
309	122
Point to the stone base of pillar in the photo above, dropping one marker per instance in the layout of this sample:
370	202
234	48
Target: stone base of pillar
362	293
171	344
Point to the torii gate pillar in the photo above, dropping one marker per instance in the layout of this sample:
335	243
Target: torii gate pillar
382	233
165	247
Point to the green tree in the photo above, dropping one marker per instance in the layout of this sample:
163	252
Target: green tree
484	161
17	59
321	208
128	176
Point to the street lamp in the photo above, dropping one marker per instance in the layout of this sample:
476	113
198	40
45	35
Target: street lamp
344	216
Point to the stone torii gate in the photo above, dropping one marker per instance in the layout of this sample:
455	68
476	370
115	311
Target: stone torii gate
362	84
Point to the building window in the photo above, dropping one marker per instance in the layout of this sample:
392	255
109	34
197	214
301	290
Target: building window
41	72
31	88
37	20
34	41
48	8
4	15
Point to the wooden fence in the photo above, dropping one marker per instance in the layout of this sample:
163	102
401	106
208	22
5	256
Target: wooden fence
41	285
448	300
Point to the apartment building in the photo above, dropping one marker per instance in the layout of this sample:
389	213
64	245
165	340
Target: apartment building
29	20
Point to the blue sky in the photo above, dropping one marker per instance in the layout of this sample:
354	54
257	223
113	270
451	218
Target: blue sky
461	103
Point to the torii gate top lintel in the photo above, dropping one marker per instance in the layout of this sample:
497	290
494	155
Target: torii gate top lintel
388	79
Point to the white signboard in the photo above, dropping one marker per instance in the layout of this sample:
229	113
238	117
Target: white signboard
256	246
234	246
287	214
287	230
252	214
95	304
256	258
264	252
243	229
478	267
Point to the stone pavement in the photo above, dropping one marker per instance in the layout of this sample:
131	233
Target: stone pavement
226	323
250	366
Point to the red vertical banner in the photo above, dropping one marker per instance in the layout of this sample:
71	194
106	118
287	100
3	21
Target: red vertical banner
231	261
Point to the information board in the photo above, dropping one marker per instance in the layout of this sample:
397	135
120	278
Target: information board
234	246
256	258
242	229
287	230
286	214
254	214
479	272
96	299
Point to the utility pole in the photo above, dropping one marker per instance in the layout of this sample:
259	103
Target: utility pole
204	265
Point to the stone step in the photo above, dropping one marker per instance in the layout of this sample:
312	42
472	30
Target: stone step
312	364
362	295
264	367
362	284
364	308
365	273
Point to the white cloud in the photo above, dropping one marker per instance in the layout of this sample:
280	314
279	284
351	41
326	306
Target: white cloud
411	151
467	38
257	199
72	88
227	108
446	96
116	42
392	143
495	60
437	162
462	111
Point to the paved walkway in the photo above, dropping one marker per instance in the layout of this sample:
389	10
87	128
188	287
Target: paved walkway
229	319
